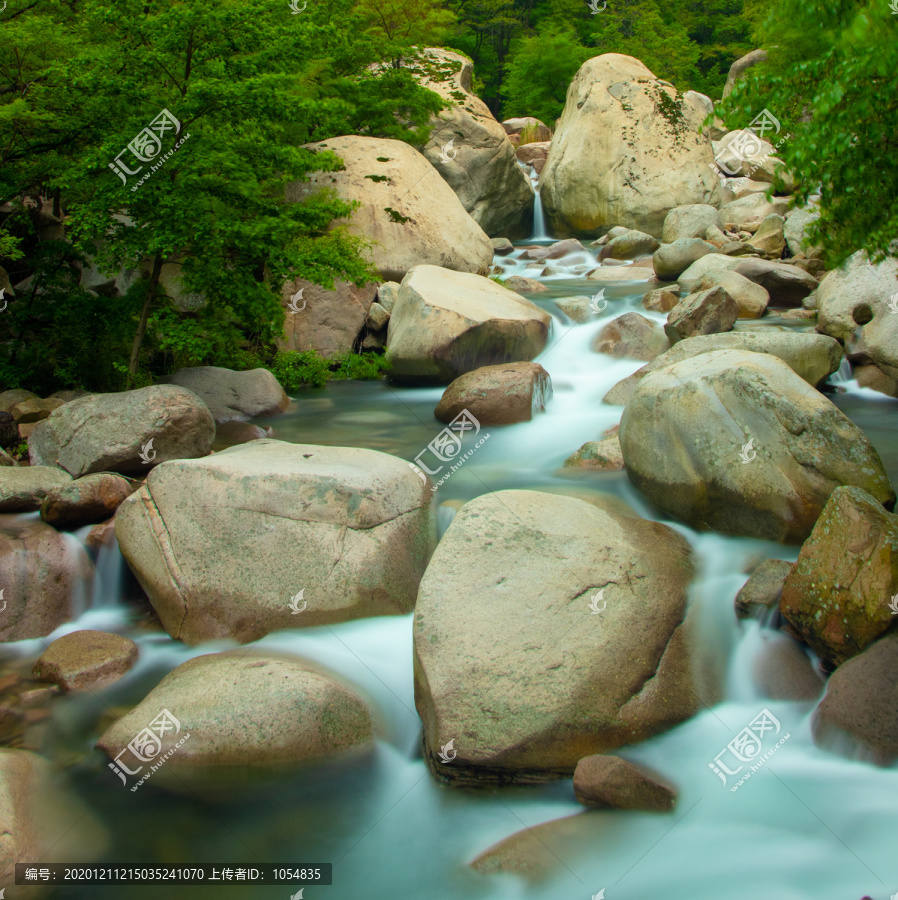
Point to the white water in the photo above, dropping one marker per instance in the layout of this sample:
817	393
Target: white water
808	826
539	217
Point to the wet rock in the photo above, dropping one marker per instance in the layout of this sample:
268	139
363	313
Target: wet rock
787	285
521	285
661	300
736	442
751	298
447	323
604	455
118	432
873	377
42	574
782	670
706	312
410	214
860	709
807	355
631	336
761	592
230	433
502	246
555	251
83	659
613	783
498	395
102	534
213	541
234	396
252	711
517	578
90	499
671	260
577	309
23	488
838	594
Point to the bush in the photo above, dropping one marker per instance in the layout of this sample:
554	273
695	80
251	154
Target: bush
295	369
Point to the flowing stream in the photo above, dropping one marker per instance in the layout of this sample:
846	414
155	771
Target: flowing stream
810	825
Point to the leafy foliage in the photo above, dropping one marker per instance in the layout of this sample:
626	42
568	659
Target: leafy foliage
295	369
831	81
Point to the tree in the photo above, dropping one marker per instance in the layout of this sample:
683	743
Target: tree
540	70
831	82
402	24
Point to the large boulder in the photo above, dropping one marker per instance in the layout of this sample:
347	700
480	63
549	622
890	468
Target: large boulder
706	312
480	163
738	68
690	221
798	221
671	260
42	819
855	304
736	442
807	355
706	265
861	704
447	323
550	596
214	542
125	433
751	298
631	336
228	710
406	210
537	130
327	321
627	150
787	285
84	501
629	245
838	594
23	488
497	395
43	575
234	396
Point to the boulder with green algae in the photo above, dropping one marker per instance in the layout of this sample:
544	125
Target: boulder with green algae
839	594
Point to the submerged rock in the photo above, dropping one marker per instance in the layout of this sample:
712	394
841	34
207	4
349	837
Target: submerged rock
736	442
223	546
447	323
550	596
497	395
613	783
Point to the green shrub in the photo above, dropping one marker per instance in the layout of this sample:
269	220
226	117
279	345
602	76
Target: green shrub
295	369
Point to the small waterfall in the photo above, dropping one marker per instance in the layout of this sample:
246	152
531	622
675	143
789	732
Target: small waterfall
539	217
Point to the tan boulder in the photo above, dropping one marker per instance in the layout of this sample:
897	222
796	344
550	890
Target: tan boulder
33	410
213	542
692	221
661	300
529	582
631	336
736	442
627	150
409	213
23	488
838	594
497	395
86	500
604	455
84	659
447	323
787	285
705	312
610	782
751	298
471	150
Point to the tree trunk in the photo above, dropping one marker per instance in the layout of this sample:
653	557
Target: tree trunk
134	362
